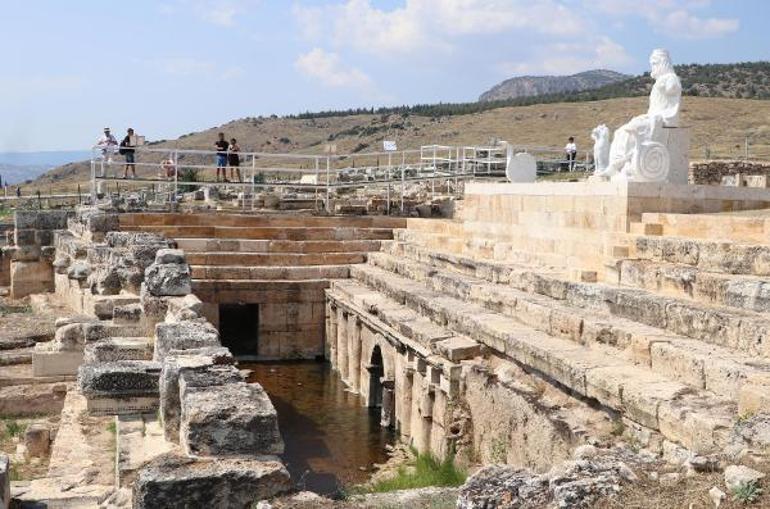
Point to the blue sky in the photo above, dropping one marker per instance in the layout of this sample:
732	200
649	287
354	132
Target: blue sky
169	67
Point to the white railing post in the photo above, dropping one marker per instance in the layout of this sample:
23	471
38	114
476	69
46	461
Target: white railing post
317	181
328	183
93	179
388	180
176	176
253	179
403	180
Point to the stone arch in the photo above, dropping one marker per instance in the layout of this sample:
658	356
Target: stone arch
376	370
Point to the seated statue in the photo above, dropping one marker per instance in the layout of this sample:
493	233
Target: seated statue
638	151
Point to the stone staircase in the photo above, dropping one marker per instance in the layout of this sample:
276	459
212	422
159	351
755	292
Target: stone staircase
281	262
680	346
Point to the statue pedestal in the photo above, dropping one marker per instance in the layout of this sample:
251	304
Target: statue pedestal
677	141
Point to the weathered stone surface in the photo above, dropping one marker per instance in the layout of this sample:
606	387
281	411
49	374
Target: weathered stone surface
5	481
184	336
164	256
168	279
175	482
70	337
575	484
37	440
118	349
128	313
118	379
234	419
739	475
173	366
79	271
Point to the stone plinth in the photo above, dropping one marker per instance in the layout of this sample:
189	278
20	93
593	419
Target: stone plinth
173	482
571	224
234	419
124	387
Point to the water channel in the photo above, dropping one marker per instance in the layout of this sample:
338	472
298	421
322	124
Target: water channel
331	439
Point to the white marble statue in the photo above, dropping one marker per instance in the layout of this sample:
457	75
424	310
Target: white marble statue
638	151
601	137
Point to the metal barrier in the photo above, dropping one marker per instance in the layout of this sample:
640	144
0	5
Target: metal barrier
319	174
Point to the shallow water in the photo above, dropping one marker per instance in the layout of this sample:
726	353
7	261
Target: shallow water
331	439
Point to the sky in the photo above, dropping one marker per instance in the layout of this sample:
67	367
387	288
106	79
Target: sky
169	67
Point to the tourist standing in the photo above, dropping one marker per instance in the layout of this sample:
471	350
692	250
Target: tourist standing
570	150
234	160
127	150
107	144
222	146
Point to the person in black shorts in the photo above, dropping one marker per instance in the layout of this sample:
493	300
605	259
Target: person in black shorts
127	150
234	160
222	146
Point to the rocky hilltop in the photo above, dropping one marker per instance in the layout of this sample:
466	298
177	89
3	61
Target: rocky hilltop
529	86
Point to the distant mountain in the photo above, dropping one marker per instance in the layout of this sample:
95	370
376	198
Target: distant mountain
49	158
19	167
14	174
530	86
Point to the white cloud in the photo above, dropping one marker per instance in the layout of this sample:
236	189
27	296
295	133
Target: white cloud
430	24
684	24
329	69
677	18
191	67
224	13
571	57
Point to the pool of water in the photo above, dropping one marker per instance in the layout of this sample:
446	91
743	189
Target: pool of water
331	439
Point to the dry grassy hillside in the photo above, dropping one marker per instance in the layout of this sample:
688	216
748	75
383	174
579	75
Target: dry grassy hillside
719	130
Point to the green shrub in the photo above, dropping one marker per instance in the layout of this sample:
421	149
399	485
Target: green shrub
13	428
747	493
424	471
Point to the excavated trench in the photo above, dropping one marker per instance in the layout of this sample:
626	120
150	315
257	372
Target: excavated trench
332	440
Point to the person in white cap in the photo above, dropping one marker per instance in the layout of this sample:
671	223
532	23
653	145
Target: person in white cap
107	145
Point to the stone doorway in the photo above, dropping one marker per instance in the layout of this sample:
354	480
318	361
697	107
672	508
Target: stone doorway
239	329
376	372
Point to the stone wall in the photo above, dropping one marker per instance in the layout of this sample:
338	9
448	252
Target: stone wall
711	172
28	260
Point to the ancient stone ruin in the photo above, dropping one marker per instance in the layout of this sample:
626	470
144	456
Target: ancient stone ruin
561	341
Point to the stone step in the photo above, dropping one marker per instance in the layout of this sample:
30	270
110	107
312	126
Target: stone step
719	227
192	245
119	349
743	331
685	281
697	419
261	220
700	365
646	229
212	258
260	291
536	254
103	329
707	255
269	233
287	273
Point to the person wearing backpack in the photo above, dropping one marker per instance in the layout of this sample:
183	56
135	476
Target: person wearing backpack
127	150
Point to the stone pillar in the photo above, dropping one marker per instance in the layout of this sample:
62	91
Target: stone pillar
405	403
388	403
330	350
342	344
354	353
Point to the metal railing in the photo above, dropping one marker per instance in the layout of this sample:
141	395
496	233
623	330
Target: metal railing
320	174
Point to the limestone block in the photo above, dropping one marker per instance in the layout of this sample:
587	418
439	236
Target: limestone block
25	237
754	395
458	348
183	336
738	475
215	364
118	349
120	387
53	363
168	279
164	256
228	420
37	440
177	482
5	482
31	277
127	314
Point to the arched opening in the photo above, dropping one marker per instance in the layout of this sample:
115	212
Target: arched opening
376	370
